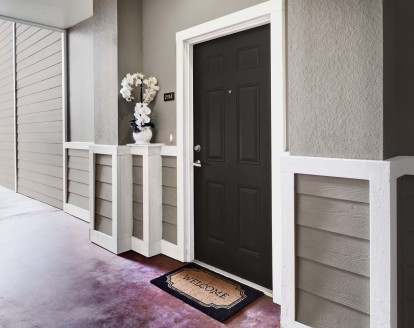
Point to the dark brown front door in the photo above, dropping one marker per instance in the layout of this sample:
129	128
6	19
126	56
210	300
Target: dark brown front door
232	188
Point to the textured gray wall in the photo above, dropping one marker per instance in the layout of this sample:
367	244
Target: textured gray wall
117	51
335	80
129	60
105	48
81	82
161	20
116	29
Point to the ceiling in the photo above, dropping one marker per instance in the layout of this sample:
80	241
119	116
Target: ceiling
54	13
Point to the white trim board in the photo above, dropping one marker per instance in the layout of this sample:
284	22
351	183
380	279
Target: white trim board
383	234
268	12
120	240
64	113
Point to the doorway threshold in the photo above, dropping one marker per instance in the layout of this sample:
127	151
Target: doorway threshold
265	290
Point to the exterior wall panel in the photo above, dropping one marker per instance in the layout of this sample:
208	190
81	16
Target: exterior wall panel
169	199
39	114
78	178
332	252
103	203
138	214
405	250
7	173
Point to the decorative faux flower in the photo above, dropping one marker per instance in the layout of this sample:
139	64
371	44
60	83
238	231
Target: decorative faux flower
149	90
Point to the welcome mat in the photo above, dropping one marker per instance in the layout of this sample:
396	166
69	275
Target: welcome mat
211	293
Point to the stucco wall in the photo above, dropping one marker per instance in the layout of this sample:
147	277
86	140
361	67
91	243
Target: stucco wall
335	78
105	72
161	20
129	60
81	82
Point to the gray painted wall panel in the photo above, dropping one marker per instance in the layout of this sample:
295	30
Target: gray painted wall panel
333	215
169	232
49	170
335	78
37	86
137	174
339	251
103	207
40	196
334	285
169	214
111	41
138	210
405	251
103	203
103	160
345	189
103	173
78	153
322	313
169	196
6	107
138	229
52	49
169	177
332	251
45	63
103	224
103	190
159	47
106	84
137	196
79	163
78	188
130	59
49	116
41	107
36	43
40	178
26	35
42	75
79	201
78	178
169	199
398	72
81	90
39	135
52	93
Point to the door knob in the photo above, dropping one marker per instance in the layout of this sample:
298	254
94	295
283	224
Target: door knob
197	148
197	163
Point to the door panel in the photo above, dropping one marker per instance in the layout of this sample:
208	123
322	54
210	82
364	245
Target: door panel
232	125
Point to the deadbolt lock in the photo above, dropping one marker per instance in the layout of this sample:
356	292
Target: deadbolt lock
197	148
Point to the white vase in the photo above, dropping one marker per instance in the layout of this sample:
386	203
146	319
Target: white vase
144	136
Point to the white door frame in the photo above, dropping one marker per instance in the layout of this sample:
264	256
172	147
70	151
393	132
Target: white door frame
268	12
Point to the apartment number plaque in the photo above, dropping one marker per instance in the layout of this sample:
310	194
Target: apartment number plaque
169	96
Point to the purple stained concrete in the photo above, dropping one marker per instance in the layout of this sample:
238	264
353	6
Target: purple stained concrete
52	276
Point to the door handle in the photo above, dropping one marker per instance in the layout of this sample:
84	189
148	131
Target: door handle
197	163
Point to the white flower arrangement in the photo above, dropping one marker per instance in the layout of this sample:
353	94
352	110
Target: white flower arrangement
149	90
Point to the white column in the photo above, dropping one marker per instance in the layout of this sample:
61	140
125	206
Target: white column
150	245
121	166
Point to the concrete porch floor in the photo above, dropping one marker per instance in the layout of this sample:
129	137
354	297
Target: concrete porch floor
51	275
